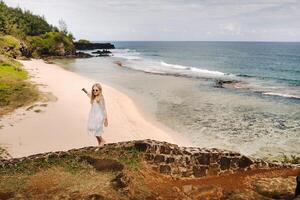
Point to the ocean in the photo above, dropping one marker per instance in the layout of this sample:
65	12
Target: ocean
255	110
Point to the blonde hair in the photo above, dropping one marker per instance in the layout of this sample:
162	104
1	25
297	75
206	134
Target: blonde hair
97	85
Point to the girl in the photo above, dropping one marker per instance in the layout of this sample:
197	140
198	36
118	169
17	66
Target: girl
97	115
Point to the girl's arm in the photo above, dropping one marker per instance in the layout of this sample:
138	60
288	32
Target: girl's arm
105	113
87	93
104	109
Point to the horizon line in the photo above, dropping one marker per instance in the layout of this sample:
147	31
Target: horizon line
192	41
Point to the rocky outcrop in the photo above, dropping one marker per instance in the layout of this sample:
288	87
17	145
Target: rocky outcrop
102	53
92	46
75	55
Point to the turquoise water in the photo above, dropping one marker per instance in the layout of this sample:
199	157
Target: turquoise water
174	82
268	67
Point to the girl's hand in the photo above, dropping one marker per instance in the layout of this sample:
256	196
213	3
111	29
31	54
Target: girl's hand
83	89
105	122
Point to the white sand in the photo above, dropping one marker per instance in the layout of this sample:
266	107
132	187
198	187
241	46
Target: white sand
62	124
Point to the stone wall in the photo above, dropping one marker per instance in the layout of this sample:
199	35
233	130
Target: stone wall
198	162
170	159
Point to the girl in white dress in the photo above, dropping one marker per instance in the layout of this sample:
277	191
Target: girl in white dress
98	114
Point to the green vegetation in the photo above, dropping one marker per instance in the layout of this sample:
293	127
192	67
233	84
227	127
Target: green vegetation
15	21
293	159
83	41
15	91
51	44
25	34
10	46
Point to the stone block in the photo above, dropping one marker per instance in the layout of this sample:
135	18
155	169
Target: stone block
245	162
141	146
199	171
149	156
203	159
159	158
170	160
213	169
224	163
165	169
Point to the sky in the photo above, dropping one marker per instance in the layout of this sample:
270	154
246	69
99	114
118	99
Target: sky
172	20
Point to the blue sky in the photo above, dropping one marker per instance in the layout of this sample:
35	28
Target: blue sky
209	20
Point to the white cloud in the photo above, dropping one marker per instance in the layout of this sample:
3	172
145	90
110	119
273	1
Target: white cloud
173	19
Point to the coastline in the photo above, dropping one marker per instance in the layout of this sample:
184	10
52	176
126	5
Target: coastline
60	124
208	116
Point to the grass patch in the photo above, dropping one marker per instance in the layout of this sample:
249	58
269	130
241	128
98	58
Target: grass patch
129	157
293	159
57	182
15	91
70	177
70	163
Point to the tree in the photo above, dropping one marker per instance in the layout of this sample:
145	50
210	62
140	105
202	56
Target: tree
62	26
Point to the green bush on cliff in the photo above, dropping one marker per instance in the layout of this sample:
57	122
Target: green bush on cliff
41	39
10	46
15	21
52	43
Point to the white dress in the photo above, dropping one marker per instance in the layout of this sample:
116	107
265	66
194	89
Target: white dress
96	118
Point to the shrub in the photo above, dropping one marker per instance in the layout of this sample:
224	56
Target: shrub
10	46
51	44
83	41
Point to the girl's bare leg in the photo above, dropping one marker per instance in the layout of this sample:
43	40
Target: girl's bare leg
99	140
102	141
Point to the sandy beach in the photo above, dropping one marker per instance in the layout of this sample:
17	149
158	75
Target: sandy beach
60	124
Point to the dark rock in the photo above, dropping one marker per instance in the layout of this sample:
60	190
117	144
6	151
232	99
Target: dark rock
170	160
48	58
24	50
103	164
224	163
203	159
245	162
297	191
149	156
159	158
220	83
94	197
199	171
102	53
177	152
214	157
91	46
187	160
142	146
82	55
121	181
165	169
164	149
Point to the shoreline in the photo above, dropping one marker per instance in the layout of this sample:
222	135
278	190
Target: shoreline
60	124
